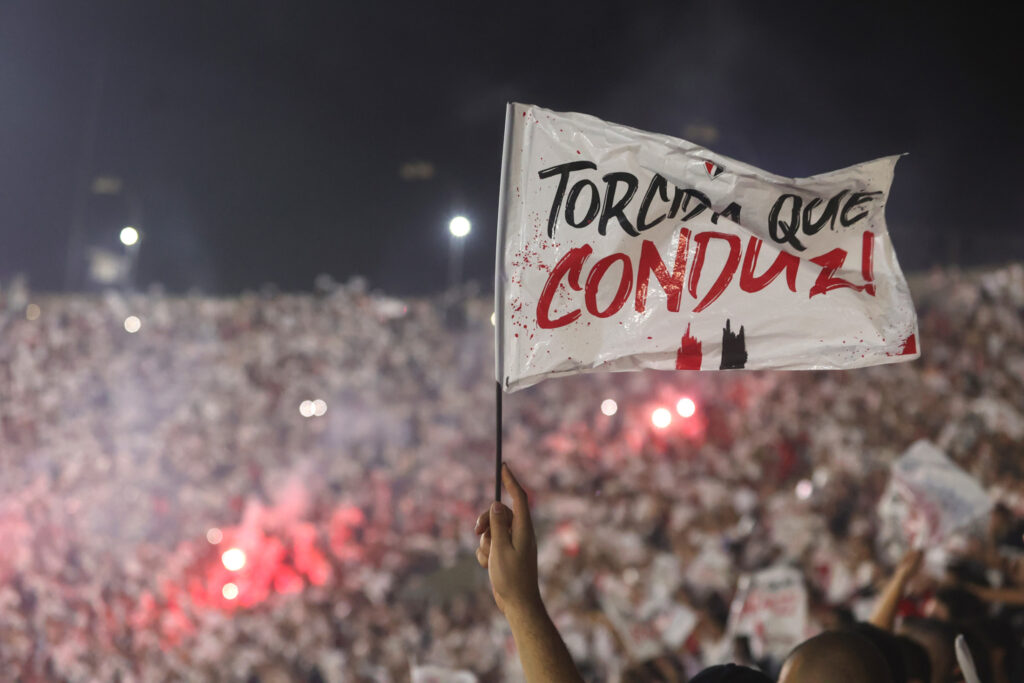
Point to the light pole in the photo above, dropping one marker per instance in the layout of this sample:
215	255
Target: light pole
130	238
459	227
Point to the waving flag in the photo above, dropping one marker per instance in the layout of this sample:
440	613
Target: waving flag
620	249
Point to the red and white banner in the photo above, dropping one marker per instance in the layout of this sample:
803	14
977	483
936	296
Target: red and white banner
620	249
770	608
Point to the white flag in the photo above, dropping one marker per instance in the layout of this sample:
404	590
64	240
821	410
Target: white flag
929	497
620	249
770	608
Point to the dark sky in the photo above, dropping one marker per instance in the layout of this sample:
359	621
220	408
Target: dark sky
261	141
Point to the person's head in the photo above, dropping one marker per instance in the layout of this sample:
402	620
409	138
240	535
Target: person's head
998	634
981	651
730	673
958	605
915	660
887	647
1000	520
936	637
836	657
664	669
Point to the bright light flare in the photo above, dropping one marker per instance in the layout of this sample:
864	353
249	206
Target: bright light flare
233	559
459	226
609	407
129	236
804	489
492	319
661	418
229	591
686	407
214	536
315	408
132	324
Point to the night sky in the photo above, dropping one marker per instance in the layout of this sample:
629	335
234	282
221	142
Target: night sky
263	142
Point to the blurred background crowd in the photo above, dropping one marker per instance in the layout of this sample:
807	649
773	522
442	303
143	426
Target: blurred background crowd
283	487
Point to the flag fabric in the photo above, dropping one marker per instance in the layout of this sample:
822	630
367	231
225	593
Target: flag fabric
929	497
770	608
620	249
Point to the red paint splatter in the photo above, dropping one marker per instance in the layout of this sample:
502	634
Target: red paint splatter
690	352
908	348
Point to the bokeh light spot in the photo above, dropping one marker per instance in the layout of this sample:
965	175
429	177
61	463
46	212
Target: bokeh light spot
661	418
233	559
686	407
129	236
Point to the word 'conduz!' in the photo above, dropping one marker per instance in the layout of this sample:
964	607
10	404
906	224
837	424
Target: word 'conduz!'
620	249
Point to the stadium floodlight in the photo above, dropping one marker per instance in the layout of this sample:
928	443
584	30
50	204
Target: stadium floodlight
129	236
233	559
661	418
686	407
459	226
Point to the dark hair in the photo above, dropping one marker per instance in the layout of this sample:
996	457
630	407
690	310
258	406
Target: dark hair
887	645
915	659
730	673
999	635
937	639
980	651
962	604
649	670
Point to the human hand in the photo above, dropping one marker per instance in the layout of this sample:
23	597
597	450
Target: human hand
508	550
910	564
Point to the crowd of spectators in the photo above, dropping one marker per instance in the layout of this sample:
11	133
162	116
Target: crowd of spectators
344	441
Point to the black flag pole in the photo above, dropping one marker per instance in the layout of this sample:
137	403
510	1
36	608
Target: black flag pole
499	296
497	442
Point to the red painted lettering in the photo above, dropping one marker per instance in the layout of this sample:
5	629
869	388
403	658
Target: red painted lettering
724	277
650	261
783	262
572	265
594	282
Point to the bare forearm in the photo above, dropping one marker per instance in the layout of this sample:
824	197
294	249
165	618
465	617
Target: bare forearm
884	613
1007	596
541	649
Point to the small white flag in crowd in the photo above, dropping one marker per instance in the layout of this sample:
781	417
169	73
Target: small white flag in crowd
620	249
929	497
770	608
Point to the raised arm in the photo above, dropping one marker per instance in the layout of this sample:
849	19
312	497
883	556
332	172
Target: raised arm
1010	596
884	613
508	550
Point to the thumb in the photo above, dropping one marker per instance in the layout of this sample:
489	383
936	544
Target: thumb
501	526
